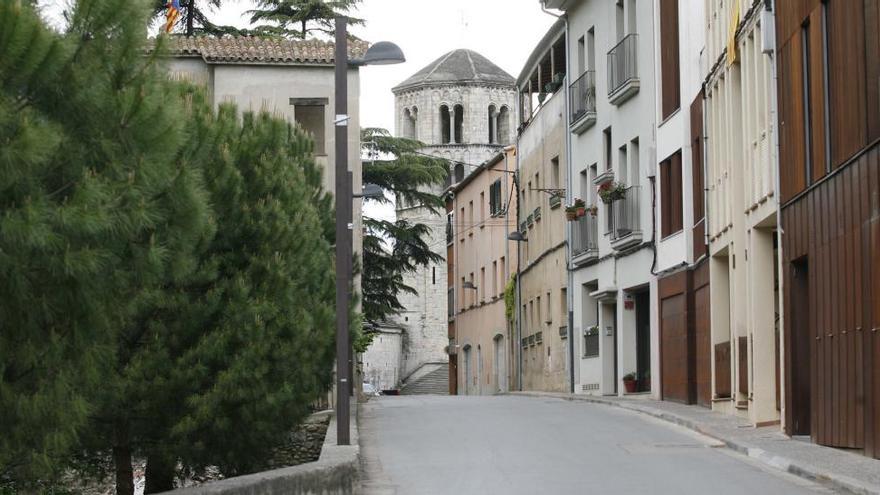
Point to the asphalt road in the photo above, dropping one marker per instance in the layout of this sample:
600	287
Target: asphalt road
413	445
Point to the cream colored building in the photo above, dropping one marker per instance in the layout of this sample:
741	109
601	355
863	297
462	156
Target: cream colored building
480	264
543	280
741	177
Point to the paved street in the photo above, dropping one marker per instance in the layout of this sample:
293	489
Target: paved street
512	445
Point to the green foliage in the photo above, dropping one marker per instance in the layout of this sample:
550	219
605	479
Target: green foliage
98	210
166	272
299	18
393	249
510	298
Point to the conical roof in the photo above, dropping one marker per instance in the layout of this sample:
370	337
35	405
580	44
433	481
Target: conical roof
459	67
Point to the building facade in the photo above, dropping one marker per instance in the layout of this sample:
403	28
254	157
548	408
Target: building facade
828	79
543	352
481	261
612	125
461	107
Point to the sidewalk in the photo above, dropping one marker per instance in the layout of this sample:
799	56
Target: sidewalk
838	469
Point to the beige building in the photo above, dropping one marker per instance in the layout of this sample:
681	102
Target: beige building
543	277
742	204
481	261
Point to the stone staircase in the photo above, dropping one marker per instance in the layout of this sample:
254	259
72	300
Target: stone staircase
434	383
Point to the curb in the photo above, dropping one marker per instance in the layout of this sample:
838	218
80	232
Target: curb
806	471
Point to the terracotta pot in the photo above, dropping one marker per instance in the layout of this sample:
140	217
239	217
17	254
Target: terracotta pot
581	211
571	215
630	386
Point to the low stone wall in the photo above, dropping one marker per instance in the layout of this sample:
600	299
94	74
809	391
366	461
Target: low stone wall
335	472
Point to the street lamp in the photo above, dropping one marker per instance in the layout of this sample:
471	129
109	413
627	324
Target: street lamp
381	53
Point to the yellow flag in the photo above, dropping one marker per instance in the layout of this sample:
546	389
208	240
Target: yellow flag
731	34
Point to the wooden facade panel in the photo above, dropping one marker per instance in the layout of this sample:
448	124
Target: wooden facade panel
872	70
816	63
703	337
674	359
835	229
698	185
846	58
792	161
669	59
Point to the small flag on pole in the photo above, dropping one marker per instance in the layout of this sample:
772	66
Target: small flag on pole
172	14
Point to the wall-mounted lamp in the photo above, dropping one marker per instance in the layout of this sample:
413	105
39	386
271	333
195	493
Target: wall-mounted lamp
468	285
516	237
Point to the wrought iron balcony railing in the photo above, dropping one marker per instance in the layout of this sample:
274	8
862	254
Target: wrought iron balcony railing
582	93
623	62
625	214
585	235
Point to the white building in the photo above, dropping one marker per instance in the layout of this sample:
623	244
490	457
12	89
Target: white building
612	120
461	106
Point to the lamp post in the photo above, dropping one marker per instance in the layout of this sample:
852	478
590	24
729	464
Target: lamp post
381	53
517	237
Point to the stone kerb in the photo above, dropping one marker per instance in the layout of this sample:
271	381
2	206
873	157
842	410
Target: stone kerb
335	472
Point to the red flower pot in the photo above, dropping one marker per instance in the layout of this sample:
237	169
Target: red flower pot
630	385
581	211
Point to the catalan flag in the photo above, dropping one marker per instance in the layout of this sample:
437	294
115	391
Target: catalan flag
172	14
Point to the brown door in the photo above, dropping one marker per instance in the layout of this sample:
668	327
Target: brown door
674	359
801	341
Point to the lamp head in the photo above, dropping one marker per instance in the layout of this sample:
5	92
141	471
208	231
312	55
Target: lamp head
381	53
516	236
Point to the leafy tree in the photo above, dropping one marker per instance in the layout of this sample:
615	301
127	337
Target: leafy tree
98	211
298	18
397	166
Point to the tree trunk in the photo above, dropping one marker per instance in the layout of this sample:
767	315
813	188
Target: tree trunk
190	14
122	462
304	29
160	474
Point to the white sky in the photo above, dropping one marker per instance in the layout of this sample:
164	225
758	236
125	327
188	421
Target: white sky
504	31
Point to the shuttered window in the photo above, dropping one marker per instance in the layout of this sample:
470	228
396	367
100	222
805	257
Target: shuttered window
671	218
669	64
495	198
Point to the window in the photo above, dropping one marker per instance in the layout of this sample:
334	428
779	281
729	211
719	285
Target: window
445	125
671	195
621	20
591	342
458	121
495	198
483	284
670	81
554	173
591	49
503	124
548	316
621	165
494	278
606	137
410	119
493	125
471	217
482	209
450	227
634	172
582	55
309	114
503	280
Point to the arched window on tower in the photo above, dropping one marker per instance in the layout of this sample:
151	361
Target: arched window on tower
445	125
459	123
493	125
458	171
503	126
408	124
414	115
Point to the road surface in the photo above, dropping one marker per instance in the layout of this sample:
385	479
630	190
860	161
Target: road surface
414	445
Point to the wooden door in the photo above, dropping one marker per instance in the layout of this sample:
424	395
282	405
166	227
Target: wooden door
703	340
674	360
801	343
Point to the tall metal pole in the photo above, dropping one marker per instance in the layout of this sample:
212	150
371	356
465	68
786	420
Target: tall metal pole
343	238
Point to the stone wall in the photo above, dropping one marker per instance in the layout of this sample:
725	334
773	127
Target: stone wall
382	360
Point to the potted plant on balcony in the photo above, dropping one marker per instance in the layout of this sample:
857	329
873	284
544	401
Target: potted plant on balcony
580	207
593	210
630	383
571	213
612	191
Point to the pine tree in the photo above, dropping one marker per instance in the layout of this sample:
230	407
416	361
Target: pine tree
98	211
393	249
299	18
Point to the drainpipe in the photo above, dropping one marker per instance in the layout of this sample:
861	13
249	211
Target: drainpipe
569	198
506	192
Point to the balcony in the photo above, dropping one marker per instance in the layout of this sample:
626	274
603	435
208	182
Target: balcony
626	228
582	94
585	240
623	70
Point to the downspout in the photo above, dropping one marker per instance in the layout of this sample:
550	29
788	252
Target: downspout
506	192
518	344
569	303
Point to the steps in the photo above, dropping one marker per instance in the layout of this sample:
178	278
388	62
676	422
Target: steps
434	383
